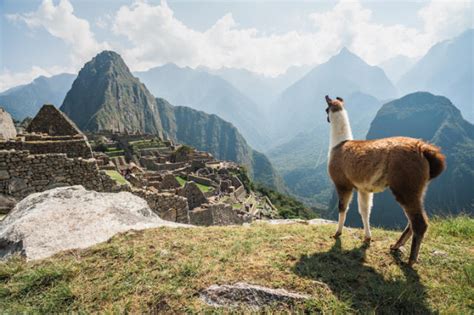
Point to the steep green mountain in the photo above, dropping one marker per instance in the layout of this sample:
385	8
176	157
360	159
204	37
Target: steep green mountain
210	93
446	69
436	120
298	108
213	134
105	95
26	100
302	161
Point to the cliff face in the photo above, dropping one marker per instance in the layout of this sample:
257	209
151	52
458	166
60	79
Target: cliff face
436	120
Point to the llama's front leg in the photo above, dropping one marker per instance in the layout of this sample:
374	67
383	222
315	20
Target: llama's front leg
365	205
345	197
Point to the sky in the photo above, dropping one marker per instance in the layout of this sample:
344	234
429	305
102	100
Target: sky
47	37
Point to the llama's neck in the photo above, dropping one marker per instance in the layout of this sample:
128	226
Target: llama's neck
340	128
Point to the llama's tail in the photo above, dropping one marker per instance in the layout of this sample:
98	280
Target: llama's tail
435	158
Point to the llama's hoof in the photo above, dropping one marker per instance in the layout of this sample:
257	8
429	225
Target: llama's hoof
336	236
367	240
411	262
394	247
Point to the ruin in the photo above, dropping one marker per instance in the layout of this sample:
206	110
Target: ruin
179	183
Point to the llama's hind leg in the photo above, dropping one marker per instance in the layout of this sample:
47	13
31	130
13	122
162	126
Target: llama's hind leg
406	234
345	197
419	225
365	205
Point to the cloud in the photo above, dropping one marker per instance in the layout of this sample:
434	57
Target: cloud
154	36
158	37
10	79
60	21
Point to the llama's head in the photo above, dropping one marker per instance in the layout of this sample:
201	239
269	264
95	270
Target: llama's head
334	105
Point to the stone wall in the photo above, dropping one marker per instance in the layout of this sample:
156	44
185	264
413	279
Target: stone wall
73	148
168	206
216	214
200	180
150	164
22	173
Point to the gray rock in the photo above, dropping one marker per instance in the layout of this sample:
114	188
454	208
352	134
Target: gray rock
4	175
248	295
65	218
6	203
7	128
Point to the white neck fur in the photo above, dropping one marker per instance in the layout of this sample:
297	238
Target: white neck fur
340	128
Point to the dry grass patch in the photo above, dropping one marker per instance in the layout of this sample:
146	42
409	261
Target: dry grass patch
165	269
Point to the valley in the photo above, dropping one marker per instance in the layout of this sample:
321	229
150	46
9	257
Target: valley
230	113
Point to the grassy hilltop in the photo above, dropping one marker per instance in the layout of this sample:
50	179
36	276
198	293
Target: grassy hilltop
165	269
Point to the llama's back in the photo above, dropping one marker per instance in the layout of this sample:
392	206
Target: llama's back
373	164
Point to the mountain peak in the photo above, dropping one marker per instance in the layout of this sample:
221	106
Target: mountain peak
346	55
106	96
105	60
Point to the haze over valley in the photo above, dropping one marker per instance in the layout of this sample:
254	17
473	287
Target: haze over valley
269	115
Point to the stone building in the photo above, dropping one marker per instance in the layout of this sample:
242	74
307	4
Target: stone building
52	121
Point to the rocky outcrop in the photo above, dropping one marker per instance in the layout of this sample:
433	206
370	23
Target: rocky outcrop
72	217
248	295
7	128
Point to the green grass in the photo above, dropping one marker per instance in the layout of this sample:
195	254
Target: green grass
146	144
203	188
181	180
117	177
163	270
115	153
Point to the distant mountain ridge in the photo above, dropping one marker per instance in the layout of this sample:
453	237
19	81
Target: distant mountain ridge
446	69
26	100
299	106
263	90
210	93
106	96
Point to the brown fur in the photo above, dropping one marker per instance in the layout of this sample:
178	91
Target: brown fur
405	165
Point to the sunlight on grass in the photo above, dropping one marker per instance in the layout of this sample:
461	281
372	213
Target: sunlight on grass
117	177
203	188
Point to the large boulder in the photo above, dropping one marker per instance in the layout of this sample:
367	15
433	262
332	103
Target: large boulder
71	217
7	128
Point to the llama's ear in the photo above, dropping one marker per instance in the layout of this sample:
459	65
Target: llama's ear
340	99
328	99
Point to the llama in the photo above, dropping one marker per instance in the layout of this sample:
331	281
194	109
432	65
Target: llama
403	164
